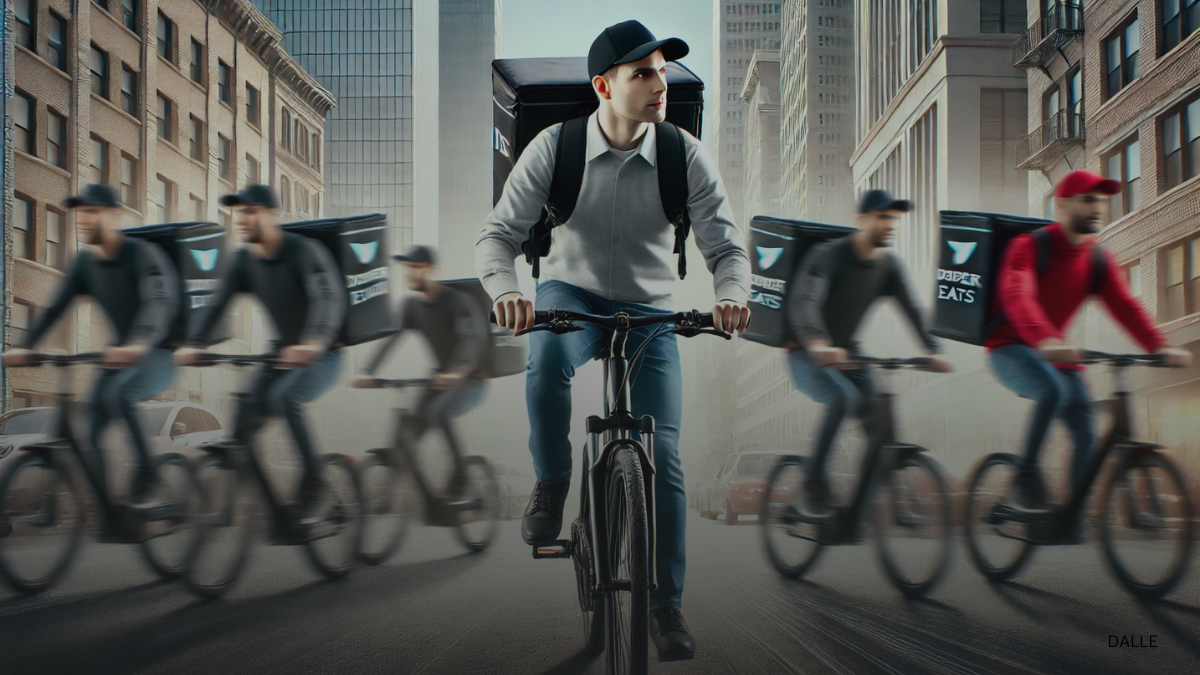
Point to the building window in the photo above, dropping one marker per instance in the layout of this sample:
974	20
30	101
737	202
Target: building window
129	10
1181	18
251	105
224	82
56	43
1003	123
166	37
1133	277
54	230
99	72
98	162
165	193
18	327
129	90
226	219
224	150
1122	50
1182	277
1181	143
285	193
164	118
128	181
23	9
314	159
22	224
56	140
197	67
24	110
252	170
1002	16
1125	167
195	138
198	212
286	129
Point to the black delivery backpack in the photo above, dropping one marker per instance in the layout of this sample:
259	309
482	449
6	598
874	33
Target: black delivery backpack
198	250
505	354
971	249
777	247
530	95
359	245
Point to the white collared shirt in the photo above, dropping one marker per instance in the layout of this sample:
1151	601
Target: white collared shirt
618	242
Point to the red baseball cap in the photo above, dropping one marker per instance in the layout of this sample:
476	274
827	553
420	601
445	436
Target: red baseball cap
1081	182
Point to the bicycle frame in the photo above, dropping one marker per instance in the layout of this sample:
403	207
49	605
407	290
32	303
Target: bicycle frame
433	502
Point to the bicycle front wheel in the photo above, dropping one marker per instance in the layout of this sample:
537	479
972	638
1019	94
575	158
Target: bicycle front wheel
477	525
226	521
390	501
790	541
1146	525
998	544
173	541
913	526
45	510
335	553
626	604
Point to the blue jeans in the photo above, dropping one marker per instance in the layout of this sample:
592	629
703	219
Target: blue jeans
116	395
284	391
656	382
1055	393
840	391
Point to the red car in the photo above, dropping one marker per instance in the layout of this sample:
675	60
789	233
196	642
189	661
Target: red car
737	487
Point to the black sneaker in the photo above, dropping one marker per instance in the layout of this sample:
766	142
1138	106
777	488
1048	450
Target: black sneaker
1028	491
313	500
670	634
543	515
149	492
817	498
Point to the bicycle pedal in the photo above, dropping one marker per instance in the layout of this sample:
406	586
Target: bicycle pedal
559	549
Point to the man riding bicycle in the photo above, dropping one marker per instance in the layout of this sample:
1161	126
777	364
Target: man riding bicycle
137	288
836	284
614	254
457	331
299	285
1028	351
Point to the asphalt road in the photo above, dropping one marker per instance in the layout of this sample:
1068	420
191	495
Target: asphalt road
436	610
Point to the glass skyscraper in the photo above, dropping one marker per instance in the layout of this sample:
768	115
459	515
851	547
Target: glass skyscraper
361	51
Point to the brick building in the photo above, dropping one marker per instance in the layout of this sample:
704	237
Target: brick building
1123	100
171	102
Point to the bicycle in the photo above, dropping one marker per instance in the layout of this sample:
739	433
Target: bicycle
913	514
611	541
228	475
387	481
43	503
1144	512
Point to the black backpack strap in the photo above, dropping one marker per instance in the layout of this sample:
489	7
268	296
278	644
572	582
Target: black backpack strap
671	160
1044	246
570	159
1099	270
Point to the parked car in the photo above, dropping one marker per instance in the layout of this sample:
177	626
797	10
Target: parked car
515	488
736	489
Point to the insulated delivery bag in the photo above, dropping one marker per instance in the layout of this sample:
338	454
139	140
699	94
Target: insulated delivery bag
505	353
198	251
359	246
777	247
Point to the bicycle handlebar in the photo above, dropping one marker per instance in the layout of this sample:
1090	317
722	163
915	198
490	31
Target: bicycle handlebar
38	360
1124	360
559	321
914	363
402	384
210	359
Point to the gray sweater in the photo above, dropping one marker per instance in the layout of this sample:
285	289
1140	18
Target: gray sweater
834	288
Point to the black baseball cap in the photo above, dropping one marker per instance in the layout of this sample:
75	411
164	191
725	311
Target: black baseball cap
882	200
418	255
252	195
95	195
629	41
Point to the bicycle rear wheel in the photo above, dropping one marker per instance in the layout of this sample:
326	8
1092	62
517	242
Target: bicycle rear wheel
626	606
172	542
1146	525
226	521
390	501
333	555
995	541
45	508
789	541
913	526
476	527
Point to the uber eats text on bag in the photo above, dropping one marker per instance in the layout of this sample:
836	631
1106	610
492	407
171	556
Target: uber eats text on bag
530	95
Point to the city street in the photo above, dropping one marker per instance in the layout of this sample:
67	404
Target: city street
436	610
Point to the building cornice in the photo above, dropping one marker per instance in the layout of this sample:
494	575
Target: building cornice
760	56
263	37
